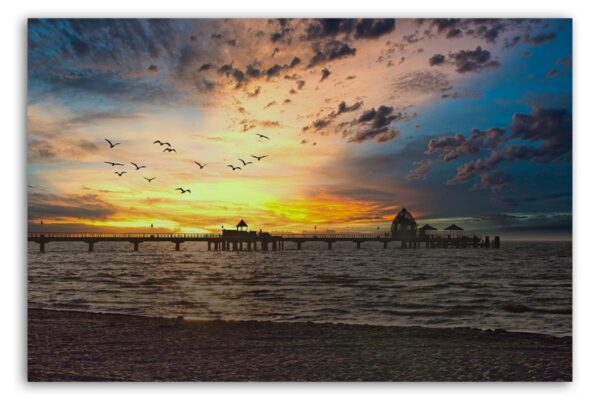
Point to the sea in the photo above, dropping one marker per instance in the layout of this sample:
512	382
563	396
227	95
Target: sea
523	286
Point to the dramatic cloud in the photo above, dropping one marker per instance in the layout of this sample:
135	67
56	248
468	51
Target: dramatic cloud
450	147
374	125
473	60
540	38
330	51
57	207
321	123
437	59
422	168
357	28
549	130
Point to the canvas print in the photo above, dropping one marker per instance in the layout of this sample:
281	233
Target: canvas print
299	199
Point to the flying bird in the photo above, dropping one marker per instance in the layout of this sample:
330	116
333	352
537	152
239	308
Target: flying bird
262	136
182	190
170	149
162	143
200	165
233	168
138	166
120	173
111	143
258	158
149	179
112	164
244	162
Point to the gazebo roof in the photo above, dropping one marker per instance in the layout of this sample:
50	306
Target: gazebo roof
454	227
242	223
404	216
427	228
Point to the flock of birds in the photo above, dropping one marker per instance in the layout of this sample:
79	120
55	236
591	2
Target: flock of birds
170	149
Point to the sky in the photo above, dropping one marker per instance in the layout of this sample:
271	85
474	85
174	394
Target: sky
465	121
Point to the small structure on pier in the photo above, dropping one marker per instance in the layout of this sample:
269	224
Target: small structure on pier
241	232
426	230
453	230
404	226
242	226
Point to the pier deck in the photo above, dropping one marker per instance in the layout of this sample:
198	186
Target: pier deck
218	242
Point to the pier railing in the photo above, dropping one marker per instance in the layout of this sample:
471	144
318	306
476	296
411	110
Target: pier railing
334	236
92	235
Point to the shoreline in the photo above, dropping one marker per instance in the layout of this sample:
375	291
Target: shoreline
193	320
86	346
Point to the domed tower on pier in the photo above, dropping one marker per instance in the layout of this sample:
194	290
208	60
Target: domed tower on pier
404	226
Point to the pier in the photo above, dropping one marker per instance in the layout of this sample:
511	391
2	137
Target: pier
404	231
218	242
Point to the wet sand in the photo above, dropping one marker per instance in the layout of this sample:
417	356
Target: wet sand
78	346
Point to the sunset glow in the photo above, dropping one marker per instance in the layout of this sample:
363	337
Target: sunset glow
362	119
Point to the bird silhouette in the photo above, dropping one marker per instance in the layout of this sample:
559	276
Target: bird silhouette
182	190
233	168
170	149
262	136
258	158
149	179
138	166
244	162
200	165
112	164
120	173
111	143
162	143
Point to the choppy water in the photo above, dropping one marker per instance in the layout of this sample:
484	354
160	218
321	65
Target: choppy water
520	287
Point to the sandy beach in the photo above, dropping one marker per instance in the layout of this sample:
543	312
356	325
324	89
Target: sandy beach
78	346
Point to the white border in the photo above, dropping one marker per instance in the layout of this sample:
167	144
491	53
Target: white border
586	146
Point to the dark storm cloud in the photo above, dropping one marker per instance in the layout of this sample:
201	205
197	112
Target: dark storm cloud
277	69
252	72
42	205
358	28
488	30
540	38
374	124
330	51
437	59
548	130
446	26
450	147
373	28
472	60
283	32
551	127
321	123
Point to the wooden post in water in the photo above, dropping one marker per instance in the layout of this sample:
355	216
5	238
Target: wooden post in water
177	247
136	246
329	245
42	247
497	242
90	246
385	245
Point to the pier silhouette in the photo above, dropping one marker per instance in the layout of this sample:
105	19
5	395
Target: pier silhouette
404	230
